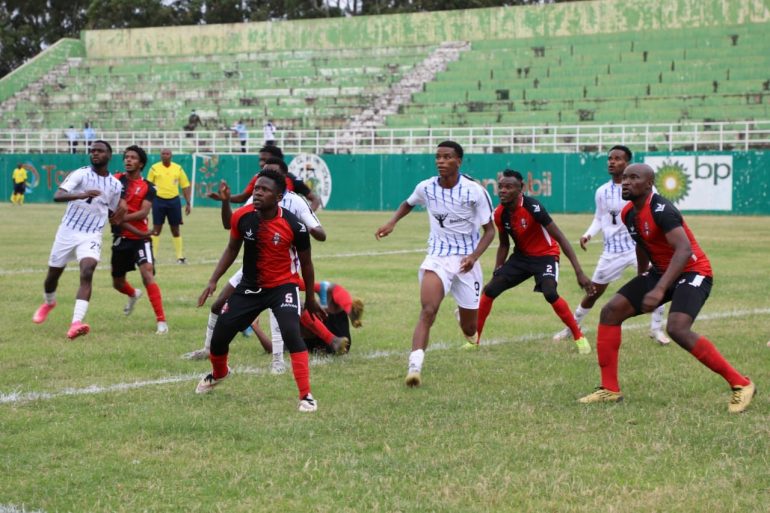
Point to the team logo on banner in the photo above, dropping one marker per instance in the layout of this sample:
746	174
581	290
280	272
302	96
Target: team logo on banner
315	173
701	182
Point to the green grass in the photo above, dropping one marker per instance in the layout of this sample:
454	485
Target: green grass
494	430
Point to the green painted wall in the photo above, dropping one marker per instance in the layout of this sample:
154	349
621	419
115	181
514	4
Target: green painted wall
562	19
717	182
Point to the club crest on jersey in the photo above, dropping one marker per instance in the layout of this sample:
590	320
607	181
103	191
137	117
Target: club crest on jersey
523	223
440	218
276	238
249	235
646	229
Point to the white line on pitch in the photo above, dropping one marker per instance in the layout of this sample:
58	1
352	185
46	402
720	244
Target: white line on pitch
21	397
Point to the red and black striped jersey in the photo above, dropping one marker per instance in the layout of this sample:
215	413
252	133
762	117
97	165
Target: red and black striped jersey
525	224
649	227
269	246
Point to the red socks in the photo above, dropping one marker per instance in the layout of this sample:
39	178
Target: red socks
318	328
562	309
607	347
153	291
128	289
300	366
485	306
218	365
709	356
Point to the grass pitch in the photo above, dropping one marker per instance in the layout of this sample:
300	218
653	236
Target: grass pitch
110	421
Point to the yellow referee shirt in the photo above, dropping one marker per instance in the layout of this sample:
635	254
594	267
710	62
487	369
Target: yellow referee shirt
19	175
168	180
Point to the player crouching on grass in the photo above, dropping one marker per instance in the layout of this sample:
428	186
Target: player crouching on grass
273	239
680	273
131	245
536	253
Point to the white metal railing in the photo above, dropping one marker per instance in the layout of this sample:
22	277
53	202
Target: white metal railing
719	136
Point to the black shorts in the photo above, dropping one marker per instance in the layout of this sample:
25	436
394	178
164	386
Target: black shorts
170	209
688	294
19	188
519	268
337	323
247	303
128	254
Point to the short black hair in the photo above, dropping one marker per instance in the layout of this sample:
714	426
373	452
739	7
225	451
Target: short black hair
624	149
451	144
139	151
275	151
280	163
510	173
109	147
277	177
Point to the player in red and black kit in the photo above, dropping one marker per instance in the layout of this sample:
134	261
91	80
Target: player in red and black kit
131	246
680	273
536	253
273	240
293	183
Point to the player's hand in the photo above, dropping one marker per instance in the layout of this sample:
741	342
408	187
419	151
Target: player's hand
314	308
383	231
467	263
583	241
91	194
207	293
215	196
187	209
224	191
586	283
652	299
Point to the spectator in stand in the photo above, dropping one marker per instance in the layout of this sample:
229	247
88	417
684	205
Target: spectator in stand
243	135
89	135
269	131
72	137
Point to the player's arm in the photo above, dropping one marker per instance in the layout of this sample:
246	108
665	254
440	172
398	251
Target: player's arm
677	239
225	211
225	261
308	276
503	248
140	214
387	228
583	280
315	201
596	223
642	260
466	264
184	182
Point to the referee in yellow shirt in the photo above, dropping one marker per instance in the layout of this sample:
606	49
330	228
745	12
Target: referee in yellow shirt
19	185
168	177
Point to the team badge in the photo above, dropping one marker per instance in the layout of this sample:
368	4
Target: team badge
276	238
646	229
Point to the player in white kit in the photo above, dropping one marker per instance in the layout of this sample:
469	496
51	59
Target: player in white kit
458	208
619	249
93	196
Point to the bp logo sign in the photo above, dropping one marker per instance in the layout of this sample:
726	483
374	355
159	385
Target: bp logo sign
697	182
315	173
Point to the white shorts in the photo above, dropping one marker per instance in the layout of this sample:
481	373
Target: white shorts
71	245
235	279
611	266
465	287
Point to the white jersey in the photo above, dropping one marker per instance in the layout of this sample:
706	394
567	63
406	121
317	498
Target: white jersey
90	215
609	204
456	214
298	206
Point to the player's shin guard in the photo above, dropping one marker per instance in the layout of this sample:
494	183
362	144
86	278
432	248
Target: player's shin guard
562	309
608	341
153	292
709	355
485	306
318	328
300	367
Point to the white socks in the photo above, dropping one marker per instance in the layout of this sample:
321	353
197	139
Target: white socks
656	324
49	297
81	307
210	330
580	314
275	333
415	360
